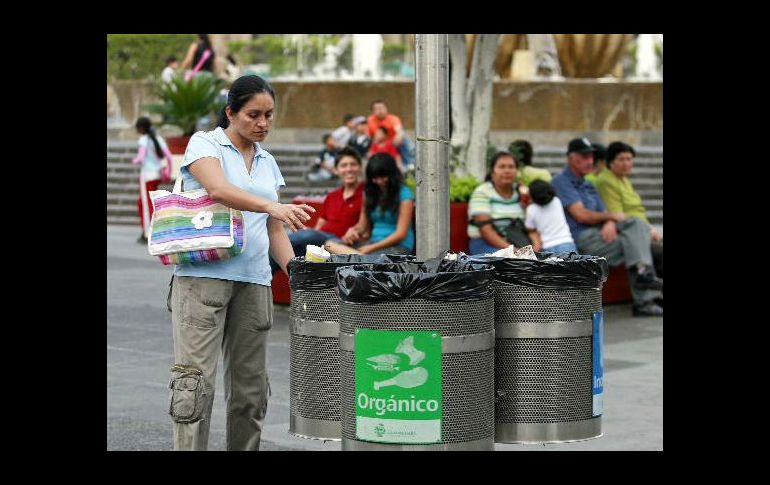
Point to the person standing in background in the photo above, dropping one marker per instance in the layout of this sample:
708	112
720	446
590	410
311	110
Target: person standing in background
172	64
152	150
196	53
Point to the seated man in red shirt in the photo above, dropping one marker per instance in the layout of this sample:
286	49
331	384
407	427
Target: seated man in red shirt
341	208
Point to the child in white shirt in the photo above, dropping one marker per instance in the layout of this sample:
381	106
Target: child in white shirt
545	220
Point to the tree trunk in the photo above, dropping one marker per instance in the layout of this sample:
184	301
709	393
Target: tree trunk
471	101
461	128
481	91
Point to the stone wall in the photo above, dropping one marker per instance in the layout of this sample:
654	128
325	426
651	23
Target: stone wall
544	112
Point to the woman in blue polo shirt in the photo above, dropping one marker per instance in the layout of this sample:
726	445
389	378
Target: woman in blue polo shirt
228	304
385	224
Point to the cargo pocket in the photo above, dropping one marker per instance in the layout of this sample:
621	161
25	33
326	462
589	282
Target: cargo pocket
204	301
258	315
187	398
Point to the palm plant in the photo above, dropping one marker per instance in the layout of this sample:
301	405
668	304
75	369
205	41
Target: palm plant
185	102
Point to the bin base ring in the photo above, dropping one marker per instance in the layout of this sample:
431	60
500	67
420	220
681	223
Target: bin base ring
315	429
486	444
525	433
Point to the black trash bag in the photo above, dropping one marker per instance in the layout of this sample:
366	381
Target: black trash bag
576	271
435	279
309	275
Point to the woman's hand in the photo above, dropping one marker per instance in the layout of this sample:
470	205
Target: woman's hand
351	236
295	215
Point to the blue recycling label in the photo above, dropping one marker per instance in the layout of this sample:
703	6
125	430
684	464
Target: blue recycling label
598	381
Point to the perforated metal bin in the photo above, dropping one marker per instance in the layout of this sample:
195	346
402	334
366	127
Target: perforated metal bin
314	362
544	353
468	341
314	352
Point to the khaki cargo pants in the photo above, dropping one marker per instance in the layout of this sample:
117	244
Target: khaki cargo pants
208	315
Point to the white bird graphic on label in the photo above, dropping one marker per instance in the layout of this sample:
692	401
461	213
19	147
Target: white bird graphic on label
383	362
407	348
408	379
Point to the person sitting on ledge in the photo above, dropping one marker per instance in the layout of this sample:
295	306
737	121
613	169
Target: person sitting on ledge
618	194
341	208
385	222
612	235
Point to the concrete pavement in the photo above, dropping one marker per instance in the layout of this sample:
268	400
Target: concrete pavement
139	355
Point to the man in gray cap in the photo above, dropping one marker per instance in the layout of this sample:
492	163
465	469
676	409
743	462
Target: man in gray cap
619	239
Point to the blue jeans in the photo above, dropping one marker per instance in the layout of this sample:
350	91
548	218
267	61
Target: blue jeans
562	248
407	151
480	246
300	239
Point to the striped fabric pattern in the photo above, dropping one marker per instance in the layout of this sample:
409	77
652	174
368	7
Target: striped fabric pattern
486	200
190	227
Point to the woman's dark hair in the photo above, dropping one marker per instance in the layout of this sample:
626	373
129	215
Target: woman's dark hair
497	156
347	152
144	125
241	92
541	192
616	148
383	165
522	152
205	39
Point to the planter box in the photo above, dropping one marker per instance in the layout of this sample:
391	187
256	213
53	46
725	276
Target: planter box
177	144
458	227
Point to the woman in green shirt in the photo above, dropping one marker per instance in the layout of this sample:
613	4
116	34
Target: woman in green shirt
618	194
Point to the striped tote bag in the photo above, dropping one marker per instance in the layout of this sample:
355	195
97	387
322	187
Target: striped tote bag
190	227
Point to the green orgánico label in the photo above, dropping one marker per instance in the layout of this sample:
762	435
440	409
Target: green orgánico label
398	386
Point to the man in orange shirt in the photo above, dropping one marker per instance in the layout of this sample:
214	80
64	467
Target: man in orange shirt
381	118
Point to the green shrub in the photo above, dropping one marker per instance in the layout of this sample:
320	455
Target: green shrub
139	56
460	188
184	103
393	52
281	54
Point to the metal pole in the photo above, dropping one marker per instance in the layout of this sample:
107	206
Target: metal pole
432	135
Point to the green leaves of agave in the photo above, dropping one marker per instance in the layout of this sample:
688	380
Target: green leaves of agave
185	102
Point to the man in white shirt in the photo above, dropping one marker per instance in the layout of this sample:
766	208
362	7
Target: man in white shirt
344	132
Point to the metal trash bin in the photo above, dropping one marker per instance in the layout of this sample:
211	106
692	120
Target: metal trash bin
548	367
430	327
314	351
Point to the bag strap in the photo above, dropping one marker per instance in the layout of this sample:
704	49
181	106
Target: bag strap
178	183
